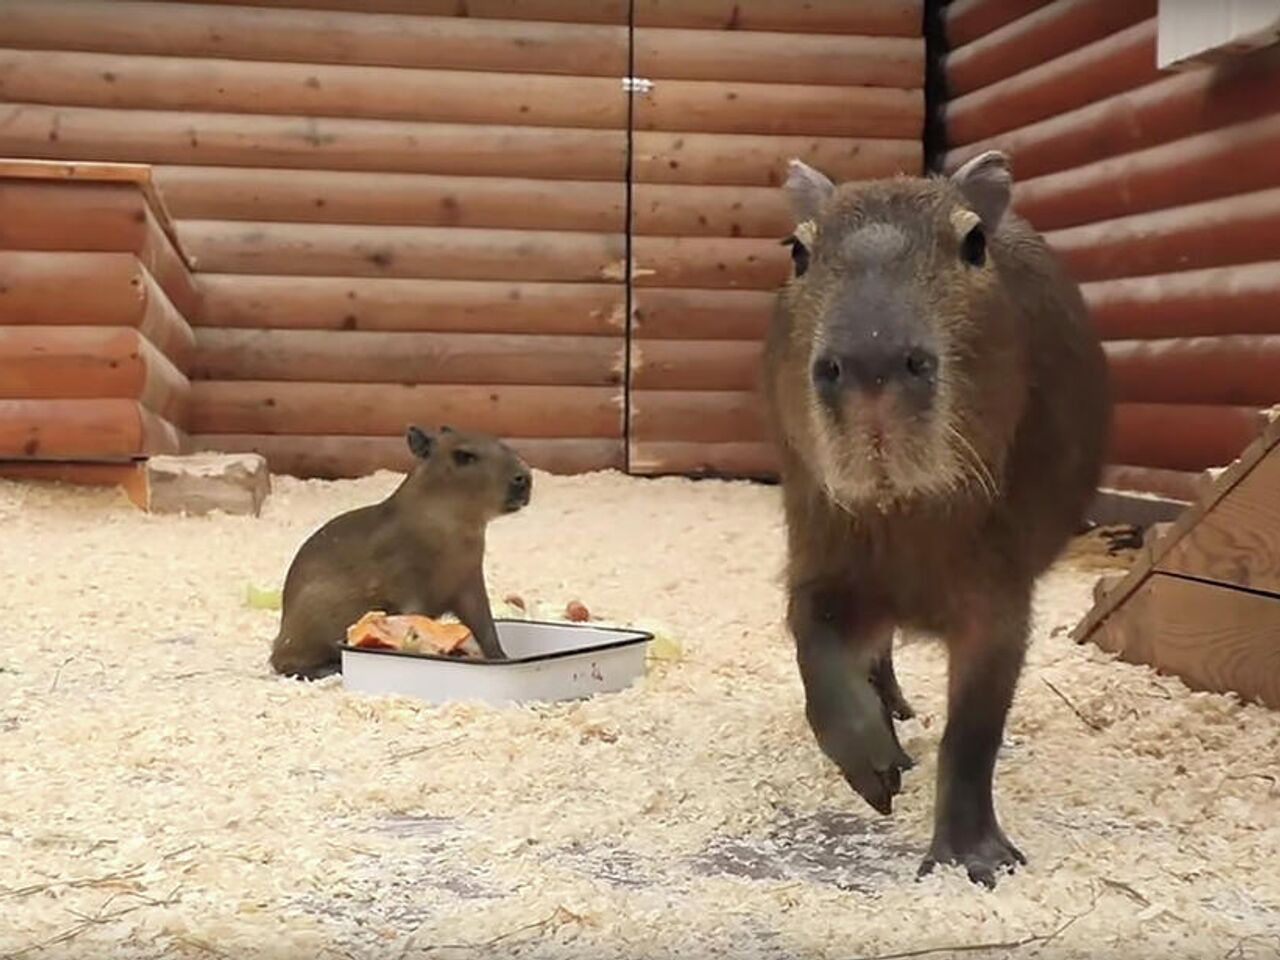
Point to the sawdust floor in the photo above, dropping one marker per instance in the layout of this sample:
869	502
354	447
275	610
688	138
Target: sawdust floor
162	794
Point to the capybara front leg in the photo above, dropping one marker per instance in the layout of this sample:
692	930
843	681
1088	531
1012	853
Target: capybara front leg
886	681
837	649
472	608
985	660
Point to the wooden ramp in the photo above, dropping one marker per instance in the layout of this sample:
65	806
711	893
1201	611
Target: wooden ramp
1203	601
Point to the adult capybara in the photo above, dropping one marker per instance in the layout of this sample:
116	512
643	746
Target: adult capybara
420	551
941	406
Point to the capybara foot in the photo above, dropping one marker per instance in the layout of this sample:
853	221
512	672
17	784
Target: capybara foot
984	857
860	739
885	680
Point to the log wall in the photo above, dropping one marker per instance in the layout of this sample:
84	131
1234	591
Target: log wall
1161	190
93	344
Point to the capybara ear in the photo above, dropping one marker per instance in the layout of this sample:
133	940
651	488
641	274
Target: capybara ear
420	442
807	190
986	182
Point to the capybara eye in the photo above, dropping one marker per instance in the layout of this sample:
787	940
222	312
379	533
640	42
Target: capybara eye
826	371
920	363
464	458
799	255
973	248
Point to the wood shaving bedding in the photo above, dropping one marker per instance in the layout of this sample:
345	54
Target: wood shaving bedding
164	795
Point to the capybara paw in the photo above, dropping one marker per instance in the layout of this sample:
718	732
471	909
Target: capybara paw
864	746
985	859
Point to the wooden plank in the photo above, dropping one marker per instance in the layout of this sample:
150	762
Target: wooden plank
130	476
574	11
389	304
1179	106
1180	436
750	263
696	364
967	20
331	250
58	288
665	209
842	60
1214	638
697	416
158	136
1048	32
100	429
57	215
393	199
1216	302
135	173
759	161
1217	233
333	457
1111	65
894	18
666	314
747	460
1238	540
780	109
309	36
363	409
1231	160
436	358
111	81
1170	484
1235	370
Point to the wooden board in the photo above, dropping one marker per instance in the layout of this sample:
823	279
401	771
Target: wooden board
82	430
130	476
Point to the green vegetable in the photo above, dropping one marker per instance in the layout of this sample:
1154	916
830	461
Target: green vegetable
257	598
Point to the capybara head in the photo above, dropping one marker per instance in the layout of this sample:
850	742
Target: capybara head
476	472
899	372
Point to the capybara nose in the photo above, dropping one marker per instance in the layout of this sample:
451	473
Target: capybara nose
521	484
873	368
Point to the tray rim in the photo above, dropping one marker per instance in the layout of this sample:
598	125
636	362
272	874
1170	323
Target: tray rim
629	636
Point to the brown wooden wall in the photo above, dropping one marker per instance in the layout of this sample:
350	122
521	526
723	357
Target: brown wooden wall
1161	189
417	209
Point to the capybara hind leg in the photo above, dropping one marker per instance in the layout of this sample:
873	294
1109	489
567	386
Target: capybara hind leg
985	660
837	649
886	682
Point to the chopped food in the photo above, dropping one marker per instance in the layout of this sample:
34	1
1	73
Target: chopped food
514	600
259	598
377	630
577	612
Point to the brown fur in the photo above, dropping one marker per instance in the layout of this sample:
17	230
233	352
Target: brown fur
939	519
420	551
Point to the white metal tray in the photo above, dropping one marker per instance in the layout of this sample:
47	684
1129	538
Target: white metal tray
547	661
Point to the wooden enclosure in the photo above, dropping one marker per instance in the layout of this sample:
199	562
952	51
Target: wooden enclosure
1162	191
554	220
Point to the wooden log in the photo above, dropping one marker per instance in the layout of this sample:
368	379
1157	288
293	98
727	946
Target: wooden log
1042	35
224	246
736	460
664	209
336	457
695	364
436	358
443	306
387	409
1238	229
1180	436
893	18
308	36
1238	541
841	60
779	110
99	429
1215	302
70	363
157	136
1179	106
111	81
573	11
1234	370
697	416
756	264
1219	163
967	20
99	289
1111	65
759	161
394	199
161	257
666	314
1169	484
1214	638
55	215
129	476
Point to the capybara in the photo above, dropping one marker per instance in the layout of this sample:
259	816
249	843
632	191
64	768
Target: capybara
420	551
940	402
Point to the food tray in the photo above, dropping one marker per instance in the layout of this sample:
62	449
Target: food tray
547	661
